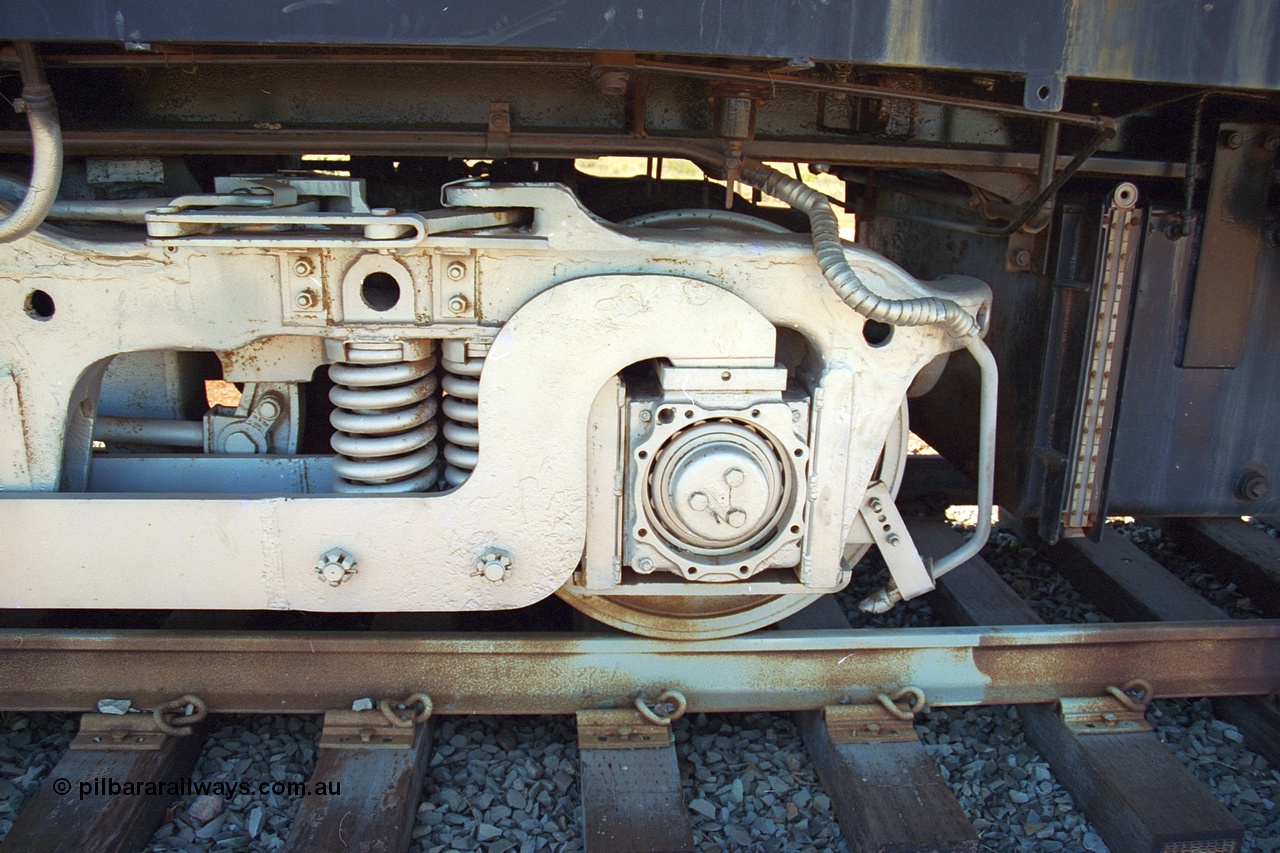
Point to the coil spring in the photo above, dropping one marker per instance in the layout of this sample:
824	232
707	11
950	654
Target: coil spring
384	417
461	412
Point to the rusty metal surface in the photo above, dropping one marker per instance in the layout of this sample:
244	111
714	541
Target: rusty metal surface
1046	40
1234	227
786	670
533	145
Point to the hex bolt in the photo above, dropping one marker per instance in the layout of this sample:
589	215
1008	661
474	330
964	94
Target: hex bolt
876	505
892	539
1022	258
303	267
455	270
307	299
336	567
645	416
698	501
644	565
736	518
734	477
1233	139
458	304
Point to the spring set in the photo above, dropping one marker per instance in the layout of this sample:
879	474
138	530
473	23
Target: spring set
461	381
385	407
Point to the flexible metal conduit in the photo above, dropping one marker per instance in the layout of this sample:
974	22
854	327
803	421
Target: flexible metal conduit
46	144
898	312
827	245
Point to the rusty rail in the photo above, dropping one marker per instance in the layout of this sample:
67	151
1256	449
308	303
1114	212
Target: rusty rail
561	674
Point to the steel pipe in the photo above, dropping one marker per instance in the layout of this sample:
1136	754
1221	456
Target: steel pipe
46	144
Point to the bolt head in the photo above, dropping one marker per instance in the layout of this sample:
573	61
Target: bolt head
269	408
456	270
734	477
892	539
644	564
458	304
303	267
613	83
1233	139
646	416
306	299
1252	486
1022	258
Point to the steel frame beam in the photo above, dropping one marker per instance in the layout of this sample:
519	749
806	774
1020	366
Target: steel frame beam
560	673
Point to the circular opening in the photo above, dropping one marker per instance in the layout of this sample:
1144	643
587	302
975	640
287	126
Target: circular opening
743	569
39	305
982	318
755	413
642	532
688	413
666	416
643	454
798	452
795	528
726	376
1043	93
693	570
380	291
877	334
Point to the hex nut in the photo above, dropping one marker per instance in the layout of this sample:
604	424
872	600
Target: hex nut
455	270
303	267
336	566
458	304
493	565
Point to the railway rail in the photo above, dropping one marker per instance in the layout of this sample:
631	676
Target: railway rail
1082	692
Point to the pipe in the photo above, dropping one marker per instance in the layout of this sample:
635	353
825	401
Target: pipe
46	145
149	431
829	248
887	597
990	385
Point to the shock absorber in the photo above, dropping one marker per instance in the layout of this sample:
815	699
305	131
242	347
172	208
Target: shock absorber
461	410
385	405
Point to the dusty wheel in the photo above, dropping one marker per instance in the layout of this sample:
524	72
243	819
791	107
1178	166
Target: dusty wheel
706	617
